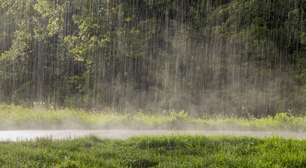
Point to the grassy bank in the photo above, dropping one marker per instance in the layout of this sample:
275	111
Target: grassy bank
164	152
18	117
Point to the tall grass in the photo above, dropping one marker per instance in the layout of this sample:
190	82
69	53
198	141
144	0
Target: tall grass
159	152
18	117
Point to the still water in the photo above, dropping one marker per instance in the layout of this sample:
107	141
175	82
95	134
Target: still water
25	135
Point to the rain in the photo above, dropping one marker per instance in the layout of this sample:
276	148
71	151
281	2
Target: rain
152	83
200	56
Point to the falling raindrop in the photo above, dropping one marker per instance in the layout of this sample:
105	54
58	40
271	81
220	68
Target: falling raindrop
204	57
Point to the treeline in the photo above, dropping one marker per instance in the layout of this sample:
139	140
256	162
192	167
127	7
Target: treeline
207	57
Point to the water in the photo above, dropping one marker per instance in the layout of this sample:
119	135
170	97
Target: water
19	135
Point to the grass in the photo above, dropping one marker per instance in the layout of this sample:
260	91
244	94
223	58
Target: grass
163	152
145	152
18	117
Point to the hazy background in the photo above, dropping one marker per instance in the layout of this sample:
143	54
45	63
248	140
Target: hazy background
207	57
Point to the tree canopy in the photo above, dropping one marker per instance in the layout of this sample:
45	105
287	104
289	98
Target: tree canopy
232	57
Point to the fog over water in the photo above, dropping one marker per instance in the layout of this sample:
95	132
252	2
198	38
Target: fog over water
125	134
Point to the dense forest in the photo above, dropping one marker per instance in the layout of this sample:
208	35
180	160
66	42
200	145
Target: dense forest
206	57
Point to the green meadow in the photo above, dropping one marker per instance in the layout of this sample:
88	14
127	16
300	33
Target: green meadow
163	152
19	117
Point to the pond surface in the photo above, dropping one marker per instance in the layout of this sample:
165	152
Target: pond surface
24	135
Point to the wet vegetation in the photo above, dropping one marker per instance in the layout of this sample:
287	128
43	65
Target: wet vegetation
145	152
153	64
225	57
18	117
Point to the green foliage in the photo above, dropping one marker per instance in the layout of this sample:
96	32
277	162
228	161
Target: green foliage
43	117
20	46
69	164
145	152
98	53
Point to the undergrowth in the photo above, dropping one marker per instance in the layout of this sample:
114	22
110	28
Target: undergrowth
145	152
18	117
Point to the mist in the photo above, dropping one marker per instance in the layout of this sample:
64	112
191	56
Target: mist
203	57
